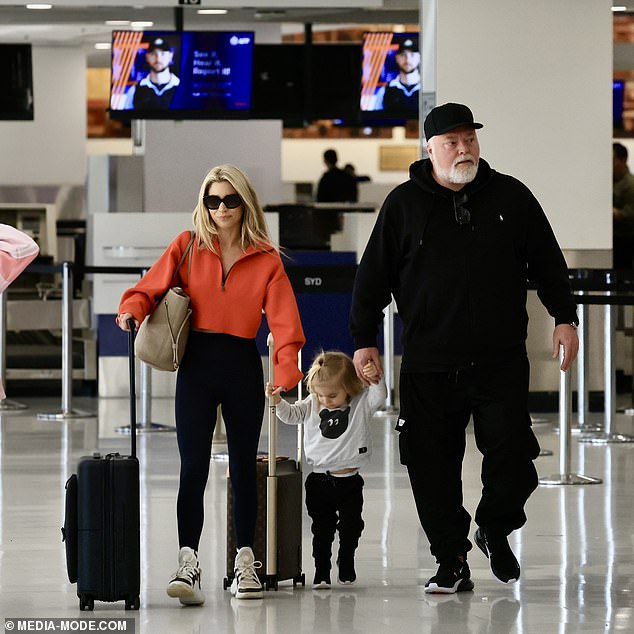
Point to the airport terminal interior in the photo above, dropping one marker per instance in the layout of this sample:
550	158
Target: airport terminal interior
104	192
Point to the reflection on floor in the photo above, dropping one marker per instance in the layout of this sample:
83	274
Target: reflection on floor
576	551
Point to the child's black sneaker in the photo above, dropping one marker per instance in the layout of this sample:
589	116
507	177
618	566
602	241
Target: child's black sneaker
452	576
504	565
321	580
346	575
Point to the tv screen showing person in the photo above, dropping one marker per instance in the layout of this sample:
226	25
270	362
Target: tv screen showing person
391	74
194	73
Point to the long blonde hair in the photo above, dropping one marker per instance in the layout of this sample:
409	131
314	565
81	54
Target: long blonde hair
334	366
254	231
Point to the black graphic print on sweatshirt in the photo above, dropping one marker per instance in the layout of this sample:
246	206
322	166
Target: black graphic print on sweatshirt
333	422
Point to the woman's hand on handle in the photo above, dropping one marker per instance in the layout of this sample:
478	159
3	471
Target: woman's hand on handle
122	321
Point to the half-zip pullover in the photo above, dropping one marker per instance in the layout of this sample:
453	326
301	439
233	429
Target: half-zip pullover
233	304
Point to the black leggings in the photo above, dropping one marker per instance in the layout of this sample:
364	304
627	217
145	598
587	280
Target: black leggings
218	369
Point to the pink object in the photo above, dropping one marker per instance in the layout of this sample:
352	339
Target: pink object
17	250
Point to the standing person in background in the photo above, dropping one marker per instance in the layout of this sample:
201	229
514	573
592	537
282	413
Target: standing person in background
622	209
455	246
235	274
336	416
336	185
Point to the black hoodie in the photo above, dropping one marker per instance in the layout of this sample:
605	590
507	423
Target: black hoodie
460	289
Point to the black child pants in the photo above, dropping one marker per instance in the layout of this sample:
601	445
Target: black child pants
334	504
218	369
436	408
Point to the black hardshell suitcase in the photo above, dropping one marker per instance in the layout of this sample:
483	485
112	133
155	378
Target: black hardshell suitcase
102	523
278	529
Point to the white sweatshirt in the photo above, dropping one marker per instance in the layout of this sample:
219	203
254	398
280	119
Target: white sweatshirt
335	439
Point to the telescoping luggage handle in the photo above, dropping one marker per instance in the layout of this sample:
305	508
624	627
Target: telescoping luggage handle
132	369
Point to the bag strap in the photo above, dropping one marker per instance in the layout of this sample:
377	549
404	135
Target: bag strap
187	251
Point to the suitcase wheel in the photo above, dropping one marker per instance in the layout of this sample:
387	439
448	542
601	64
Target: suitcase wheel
301	578
86	602
132	603
271	583
225	583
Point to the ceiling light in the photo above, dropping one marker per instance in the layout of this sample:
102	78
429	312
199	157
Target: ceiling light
212	11
103	46
39	6
117	22
615	9
141	24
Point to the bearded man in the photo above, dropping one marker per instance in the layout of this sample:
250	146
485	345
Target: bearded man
455	246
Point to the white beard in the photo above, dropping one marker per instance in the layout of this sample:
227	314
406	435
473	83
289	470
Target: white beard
458	175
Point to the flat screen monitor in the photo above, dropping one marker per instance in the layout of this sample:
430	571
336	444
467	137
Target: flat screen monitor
299	82
336	72
16	94
181	74
390	80
278	82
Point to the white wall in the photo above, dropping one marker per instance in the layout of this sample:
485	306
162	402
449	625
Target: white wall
178	154
51	149
538	75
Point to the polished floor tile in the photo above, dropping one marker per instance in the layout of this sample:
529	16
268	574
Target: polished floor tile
577	550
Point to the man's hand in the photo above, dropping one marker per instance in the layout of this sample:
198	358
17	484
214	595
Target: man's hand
565	335
361	358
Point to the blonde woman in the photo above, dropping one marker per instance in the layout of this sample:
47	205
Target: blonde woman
336	416
235	273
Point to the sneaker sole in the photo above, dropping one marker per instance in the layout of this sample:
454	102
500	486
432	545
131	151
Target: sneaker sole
254	594
322	585
481	544
346	583
461	585
185	593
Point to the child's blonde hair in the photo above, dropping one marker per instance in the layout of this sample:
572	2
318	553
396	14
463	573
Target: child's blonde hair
334	366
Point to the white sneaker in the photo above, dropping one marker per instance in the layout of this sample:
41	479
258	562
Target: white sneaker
246	584
185	582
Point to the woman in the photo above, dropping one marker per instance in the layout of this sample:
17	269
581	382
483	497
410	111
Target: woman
234	274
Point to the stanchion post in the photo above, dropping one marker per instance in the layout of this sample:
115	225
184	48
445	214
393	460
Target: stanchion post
583	371
388	357
5	405
565	414
67	411
609	381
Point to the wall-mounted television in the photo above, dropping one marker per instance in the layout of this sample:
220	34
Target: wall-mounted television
299	82
181	74
390	81
16	94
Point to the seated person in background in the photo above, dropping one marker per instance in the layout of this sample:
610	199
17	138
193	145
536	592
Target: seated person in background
336	185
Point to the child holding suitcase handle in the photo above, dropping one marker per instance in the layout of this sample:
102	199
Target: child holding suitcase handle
336	416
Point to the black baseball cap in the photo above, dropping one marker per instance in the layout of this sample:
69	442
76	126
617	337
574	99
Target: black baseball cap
449	116
409	44
159	42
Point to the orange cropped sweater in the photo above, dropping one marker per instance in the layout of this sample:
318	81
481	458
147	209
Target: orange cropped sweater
256	282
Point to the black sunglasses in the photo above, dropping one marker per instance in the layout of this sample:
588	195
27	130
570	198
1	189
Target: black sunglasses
462	214
231	201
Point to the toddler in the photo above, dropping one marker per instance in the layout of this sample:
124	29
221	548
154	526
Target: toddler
336	415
